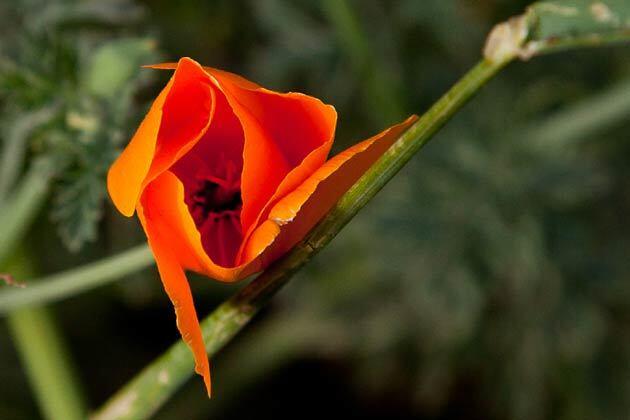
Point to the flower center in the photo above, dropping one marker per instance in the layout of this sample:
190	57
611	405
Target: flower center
214	199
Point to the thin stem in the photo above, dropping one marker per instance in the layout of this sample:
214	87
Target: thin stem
67	283
43	353
156	383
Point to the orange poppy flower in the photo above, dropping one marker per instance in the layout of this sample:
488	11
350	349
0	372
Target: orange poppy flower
227	176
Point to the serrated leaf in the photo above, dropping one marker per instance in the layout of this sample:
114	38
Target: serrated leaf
77	209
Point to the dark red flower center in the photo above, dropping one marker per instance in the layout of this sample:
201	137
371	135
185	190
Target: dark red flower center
215	199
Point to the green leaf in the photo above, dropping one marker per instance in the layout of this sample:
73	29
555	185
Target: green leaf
551	26
564	24
573	18
115	64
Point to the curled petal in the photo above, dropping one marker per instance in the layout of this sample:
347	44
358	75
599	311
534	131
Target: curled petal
281	130
166	211
168	131
293	179
178	291
295	214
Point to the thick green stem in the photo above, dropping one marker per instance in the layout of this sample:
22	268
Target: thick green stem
67	283
156	383
42	351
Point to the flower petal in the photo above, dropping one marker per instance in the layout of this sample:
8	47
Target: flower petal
125	177
294	123
178	290
293	216
168	131
293	179
281	131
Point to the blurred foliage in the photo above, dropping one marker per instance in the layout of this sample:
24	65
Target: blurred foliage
488	280
68	74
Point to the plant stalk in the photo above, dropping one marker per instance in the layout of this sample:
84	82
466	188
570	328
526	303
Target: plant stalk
71	282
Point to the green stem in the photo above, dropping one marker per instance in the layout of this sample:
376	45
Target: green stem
42	351
24	204
156	383
67	283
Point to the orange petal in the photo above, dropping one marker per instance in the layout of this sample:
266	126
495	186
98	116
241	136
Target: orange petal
294	178
281	130
165	211
159	141
295	124
297	213
178	290
125	177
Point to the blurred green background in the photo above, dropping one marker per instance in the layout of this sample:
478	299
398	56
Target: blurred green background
489	280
